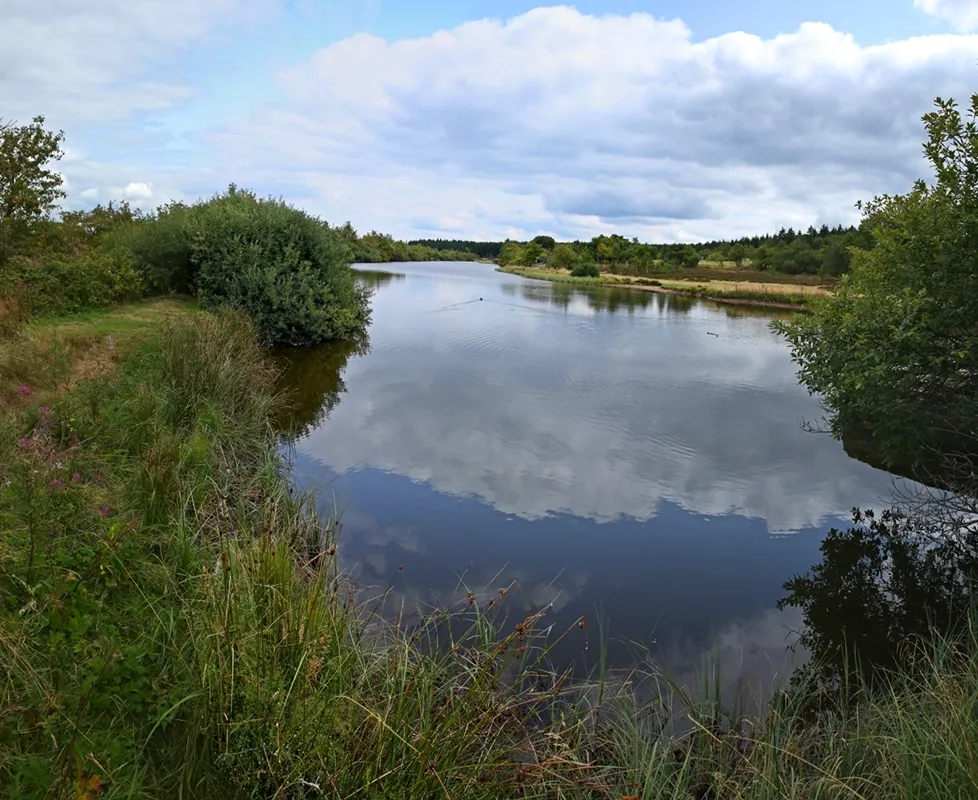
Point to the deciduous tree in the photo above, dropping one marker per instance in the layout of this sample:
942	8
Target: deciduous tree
29	187
895	353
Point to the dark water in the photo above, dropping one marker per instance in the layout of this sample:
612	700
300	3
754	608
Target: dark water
602	448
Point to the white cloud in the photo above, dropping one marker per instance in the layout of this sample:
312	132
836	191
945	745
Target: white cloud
962	14
138	191
553	121
575	124
98	61
107	72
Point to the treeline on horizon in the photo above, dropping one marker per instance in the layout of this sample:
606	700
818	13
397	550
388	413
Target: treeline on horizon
382	248
816	251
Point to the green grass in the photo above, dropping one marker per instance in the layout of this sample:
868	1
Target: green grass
173	623
121	320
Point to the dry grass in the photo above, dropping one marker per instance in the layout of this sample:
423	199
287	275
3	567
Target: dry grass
49	357
749	286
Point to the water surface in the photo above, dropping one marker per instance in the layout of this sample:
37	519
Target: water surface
630	457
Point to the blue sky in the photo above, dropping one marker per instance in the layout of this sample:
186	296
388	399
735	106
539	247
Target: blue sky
664	120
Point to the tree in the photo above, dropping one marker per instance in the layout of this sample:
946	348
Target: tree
546	242
563	257
532	253
895	353
835	259
738	253
689	257
510	254
29	188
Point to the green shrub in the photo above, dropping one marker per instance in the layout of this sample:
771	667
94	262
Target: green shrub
161	248
66	283
586	270
289	271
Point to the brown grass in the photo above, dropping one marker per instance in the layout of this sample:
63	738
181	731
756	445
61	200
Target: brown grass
47	358
749	286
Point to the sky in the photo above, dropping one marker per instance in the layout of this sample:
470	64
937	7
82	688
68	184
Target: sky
665	120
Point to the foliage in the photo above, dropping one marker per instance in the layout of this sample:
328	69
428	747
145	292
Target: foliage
29	187
87	227
532	254
289	271
510	254
379	248
161	248
61	283
585	270
487	250
895	352
563	257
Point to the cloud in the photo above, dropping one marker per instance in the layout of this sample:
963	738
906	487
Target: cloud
98	61
138	191
614	205
578	124
109	72
552	121
962	14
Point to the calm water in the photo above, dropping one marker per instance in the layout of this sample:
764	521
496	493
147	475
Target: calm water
602	448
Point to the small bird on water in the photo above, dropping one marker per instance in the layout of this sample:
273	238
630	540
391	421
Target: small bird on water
711	333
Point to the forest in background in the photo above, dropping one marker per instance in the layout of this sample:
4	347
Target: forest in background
816	251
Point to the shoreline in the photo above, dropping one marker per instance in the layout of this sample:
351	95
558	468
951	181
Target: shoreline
230	631
701	294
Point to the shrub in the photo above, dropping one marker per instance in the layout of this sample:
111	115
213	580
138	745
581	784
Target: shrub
586	271
65	283
289	271
161	248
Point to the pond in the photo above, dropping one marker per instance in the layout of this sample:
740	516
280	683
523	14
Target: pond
633	458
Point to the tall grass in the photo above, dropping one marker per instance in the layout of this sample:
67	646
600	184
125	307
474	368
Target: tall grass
173	623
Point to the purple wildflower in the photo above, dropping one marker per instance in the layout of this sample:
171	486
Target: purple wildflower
56	484
104	511
45	410
26	390
76	476
25	442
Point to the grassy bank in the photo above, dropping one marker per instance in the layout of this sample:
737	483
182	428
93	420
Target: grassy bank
173	624
768	291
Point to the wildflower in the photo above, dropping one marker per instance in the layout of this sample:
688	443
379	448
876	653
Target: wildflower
76	476
27	391
25	442
45	410
56	484
105	511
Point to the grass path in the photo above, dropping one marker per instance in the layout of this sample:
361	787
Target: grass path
132	320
